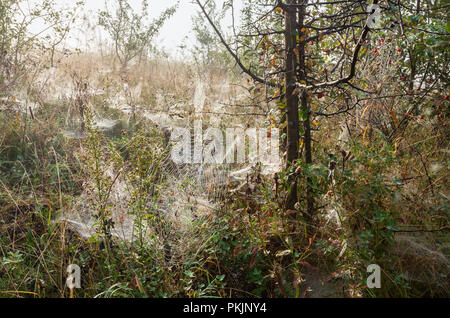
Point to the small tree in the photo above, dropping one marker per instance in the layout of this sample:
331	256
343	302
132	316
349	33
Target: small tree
278	48
208	49
17	42
60	22
131	32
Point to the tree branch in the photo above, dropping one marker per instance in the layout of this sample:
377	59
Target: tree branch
234	55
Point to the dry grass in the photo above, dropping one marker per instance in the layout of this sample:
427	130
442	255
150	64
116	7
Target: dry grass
205	231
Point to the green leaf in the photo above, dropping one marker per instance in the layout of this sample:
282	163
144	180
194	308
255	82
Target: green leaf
302	115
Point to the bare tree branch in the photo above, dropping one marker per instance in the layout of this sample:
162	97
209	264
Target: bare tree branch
234	55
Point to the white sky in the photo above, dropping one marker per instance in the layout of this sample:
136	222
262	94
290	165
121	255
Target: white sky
175	32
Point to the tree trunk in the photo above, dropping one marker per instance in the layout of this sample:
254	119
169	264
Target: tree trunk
291	99
306	112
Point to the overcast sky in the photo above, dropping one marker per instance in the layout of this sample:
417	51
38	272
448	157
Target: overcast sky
175	32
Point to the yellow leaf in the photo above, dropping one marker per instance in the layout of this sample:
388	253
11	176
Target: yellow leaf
364	135
315	123
19	292
362	115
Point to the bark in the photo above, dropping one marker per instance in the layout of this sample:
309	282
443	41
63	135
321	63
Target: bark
305	110
292	99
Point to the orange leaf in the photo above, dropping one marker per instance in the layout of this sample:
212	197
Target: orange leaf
365	130
394	118
137	283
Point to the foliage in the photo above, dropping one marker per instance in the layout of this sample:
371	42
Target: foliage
131	32
377	174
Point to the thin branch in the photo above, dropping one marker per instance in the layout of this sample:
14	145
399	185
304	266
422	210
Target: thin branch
236	58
